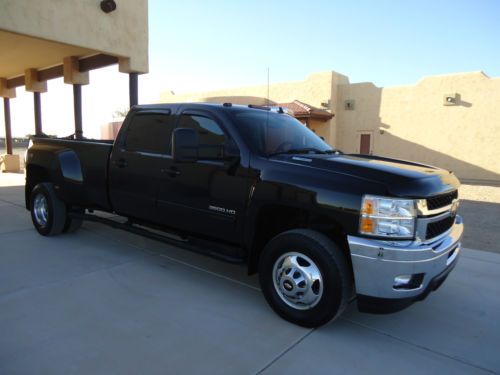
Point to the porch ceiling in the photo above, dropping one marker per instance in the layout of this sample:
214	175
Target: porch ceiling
20	52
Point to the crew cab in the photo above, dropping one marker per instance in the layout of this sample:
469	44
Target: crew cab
253	184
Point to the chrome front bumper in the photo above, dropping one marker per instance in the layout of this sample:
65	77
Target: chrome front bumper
376	264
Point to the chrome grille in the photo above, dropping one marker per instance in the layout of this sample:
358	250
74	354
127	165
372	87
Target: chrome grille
441	200
429	228
436	228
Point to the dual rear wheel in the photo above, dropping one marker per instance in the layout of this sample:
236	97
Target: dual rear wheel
49	214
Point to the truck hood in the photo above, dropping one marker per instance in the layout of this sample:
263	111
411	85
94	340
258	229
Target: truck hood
401	178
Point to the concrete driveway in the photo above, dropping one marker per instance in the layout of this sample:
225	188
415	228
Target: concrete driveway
103	301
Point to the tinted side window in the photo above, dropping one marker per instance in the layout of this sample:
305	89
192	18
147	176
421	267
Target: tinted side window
210	135
150	133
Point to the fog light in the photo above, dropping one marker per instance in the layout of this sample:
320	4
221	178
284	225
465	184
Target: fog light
408	281
401	281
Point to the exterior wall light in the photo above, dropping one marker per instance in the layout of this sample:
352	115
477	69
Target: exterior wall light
108	6
326	105
451	99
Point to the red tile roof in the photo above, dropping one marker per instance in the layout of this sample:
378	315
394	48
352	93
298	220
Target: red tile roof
302	110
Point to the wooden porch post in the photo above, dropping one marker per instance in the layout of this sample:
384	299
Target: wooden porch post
77	104
38	113
133	88
8	133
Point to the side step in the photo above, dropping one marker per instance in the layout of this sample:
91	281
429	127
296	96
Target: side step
230	254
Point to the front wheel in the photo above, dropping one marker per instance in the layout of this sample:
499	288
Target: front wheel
48	212
305	277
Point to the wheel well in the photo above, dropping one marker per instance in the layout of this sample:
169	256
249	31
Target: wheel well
275	219
34	176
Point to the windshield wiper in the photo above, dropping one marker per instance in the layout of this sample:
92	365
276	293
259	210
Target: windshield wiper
305	150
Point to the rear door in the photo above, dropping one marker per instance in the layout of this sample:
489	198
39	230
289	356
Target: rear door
136	163
206	197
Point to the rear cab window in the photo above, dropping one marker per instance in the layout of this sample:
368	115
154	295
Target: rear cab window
150	133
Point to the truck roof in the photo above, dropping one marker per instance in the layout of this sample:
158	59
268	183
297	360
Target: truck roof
222	106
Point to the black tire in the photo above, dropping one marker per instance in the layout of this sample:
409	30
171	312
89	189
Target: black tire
336	277
50	220
72	224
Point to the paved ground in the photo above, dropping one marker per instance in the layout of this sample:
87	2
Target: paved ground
480	207
103	301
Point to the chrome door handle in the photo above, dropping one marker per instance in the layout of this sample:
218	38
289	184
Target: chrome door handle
171	172
120	163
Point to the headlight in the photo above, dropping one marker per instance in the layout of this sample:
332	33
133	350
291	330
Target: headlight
387	217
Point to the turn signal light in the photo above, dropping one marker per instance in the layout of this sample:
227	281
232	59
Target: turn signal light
367	225
367	208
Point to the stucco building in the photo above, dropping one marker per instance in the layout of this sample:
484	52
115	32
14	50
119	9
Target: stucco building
452	121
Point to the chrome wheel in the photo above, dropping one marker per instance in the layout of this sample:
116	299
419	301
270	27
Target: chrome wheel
297	280
41	210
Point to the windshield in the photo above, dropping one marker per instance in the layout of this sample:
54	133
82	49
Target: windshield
269	133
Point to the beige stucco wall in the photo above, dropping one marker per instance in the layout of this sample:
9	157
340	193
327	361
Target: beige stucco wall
82	23
322	128
313	90
407	122
411	122
110	130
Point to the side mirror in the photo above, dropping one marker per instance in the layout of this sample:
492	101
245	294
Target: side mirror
185	145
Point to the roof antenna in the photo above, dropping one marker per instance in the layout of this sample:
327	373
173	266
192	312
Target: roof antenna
267	116
268	101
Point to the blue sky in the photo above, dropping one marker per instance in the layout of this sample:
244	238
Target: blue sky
231	43
199	45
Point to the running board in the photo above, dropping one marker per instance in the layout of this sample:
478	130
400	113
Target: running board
195	244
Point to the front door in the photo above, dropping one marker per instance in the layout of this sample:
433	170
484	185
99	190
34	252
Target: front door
365	143
206	197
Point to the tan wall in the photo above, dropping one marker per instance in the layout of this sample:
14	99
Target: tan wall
314	90
407	122
411	122
110	130
321	128
82	23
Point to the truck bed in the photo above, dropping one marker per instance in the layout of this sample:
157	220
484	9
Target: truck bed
79	167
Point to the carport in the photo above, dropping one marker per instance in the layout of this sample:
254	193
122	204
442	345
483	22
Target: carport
45	40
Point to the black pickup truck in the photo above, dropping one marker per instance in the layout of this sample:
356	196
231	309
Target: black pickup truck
253	184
